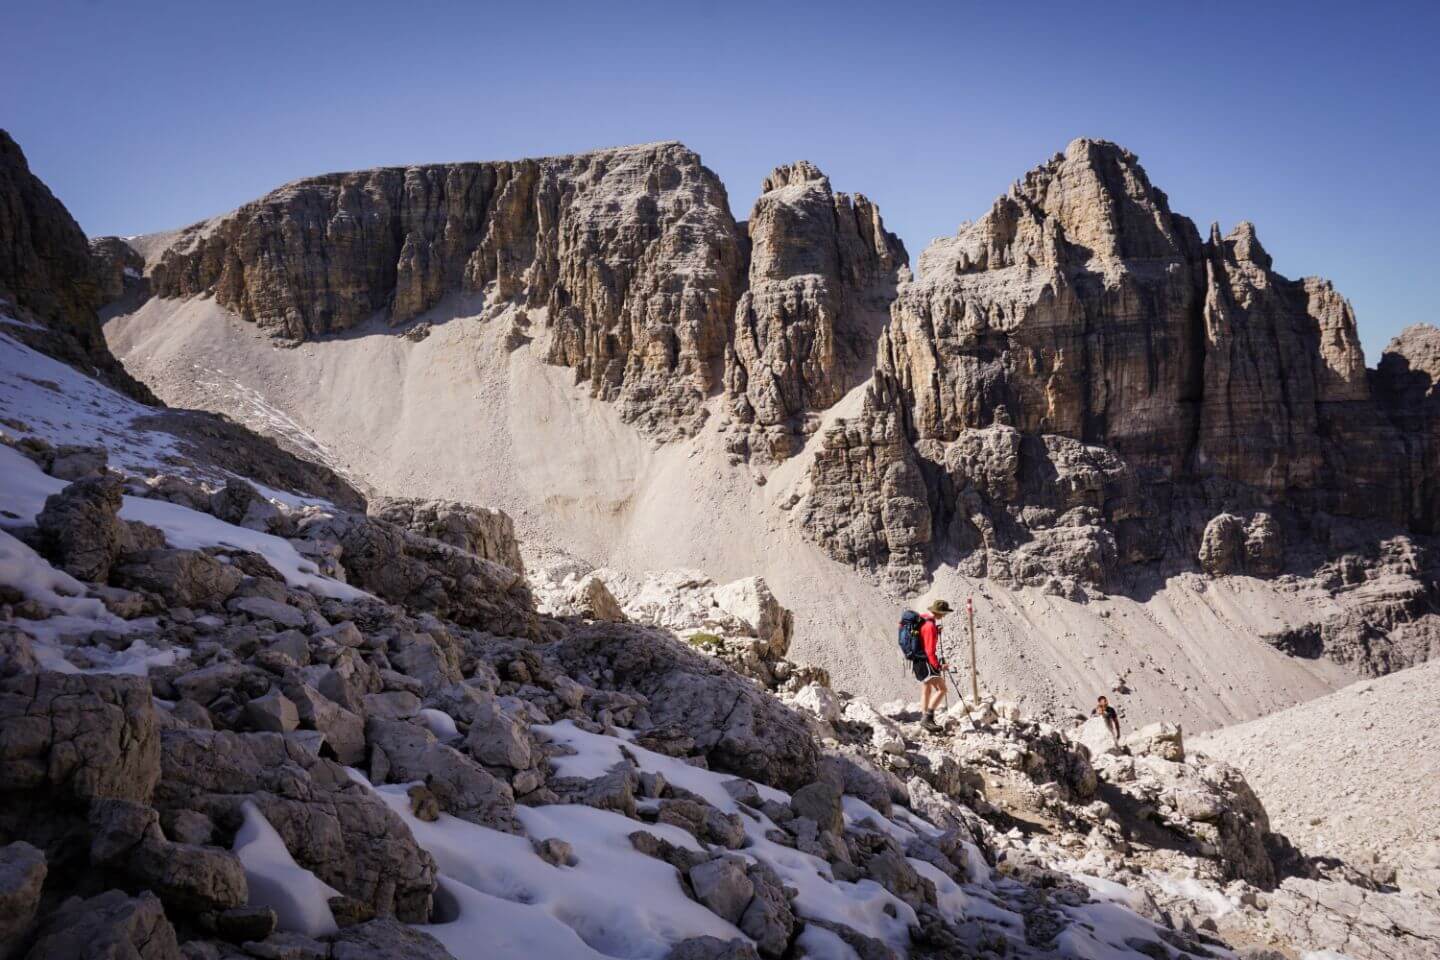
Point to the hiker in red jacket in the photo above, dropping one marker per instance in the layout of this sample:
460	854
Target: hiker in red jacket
930	671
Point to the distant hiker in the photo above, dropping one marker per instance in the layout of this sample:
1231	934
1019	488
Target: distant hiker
1112	719
929	668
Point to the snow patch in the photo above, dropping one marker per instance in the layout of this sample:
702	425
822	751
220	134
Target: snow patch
300	899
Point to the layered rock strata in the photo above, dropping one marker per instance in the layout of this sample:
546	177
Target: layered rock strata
1078	383
823	271
48	289
630	257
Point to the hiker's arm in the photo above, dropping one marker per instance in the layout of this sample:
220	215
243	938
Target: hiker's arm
929	637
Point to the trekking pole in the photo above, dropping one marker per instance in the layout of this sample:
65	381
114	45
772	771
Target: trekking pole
974	677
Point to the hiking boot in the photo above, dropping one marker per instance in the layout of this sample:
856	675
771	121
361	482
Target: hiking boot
928	724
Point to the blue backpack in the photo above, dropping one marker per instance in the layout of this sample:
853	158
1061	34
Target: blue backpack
911	646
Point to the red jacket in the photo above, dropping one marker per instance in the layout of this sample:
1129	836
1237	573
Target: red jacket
930	637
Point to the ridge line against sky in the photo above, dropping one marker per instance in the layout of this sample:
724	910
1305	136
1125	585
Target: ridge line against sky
1317	122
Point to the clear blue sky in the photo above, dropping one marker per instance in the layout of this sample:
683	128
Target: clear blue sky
1317	121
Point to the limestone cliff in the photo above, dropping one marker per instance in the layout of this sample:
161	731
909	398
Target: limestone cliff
1077	382
823	271
46	280
629	257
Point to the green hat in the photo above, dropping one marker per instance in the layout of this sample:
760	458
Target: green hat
940	606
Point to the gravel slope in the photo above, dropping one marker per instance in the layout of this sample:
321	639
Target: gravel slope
1355	774
459	415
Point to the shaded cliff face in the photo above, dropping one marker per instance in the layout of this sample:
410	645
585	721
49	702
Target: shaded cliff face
823	272
629	257
1407	385
46	278
1082	383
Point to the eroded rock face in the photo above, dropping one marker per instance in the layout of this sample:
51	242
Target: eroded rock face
330	824
46	277
1077	382
1407	385
488	534
823	271
630	256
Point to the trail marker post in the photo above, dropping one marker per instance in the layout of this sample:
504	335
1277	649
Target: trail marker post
974	677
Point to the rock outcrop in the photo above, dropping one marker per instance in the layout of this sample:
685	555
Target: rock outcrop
823	271
47	283
629	257
1407	385
1078	383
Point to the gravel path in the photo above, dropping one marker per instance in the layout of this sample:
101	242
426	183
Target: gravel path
1354	774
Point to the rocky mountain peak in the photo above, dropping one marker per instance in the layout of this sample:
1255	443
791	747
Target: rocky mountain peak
823	270
1241	245
1076	365
46	282
793	174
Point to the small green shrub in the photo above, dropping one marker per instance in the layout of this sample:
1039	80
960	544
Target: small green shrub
705	641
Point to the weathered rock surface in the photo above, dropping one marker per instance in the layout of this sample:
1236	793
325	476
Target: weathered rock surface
823	271
1078	383
46	277
630	256
81	527
330	824
22	873
119	268
488	534
429	575
110	926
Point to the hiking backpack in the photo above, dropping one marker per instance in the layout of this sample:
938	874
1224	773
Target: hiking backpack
911	646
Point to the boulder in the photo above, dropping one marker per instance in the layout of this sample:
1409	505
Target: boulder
182	578
821	803
74	462
1163	740
820	701
592	599
110	926
401	751
80	527
751	602
263	608
488	534
739	728
72	738
722	886
385	939
331	825
238	502
22	874
273	712
712	948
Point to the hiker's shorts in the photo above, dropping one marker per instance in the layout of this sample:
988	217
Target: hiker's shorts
923	670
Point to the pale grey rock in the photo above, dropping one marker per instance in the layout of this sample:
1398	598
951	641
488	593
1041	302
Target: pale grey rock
722	886
1163	740
274	713
488	534
630	254
331	825
182	578
402	752
823	271
385	939
263	608
591	598
81	529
